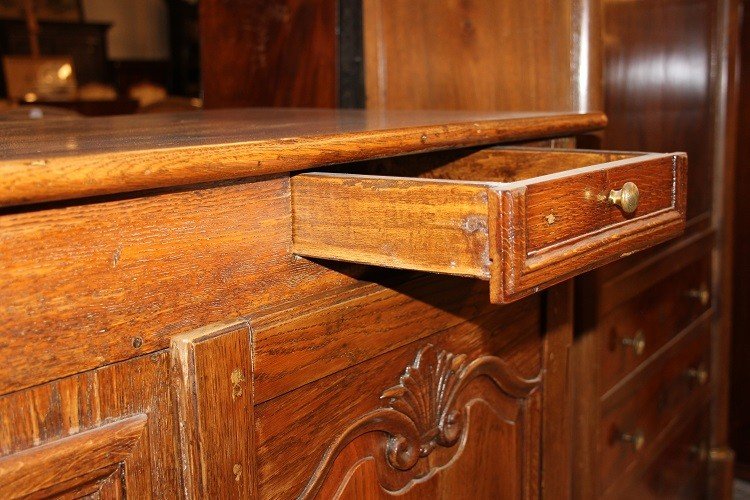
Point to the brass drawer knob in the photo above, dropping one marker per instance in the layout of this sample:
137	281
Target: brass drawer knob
626	198
636	439
702	294
699	374
637	342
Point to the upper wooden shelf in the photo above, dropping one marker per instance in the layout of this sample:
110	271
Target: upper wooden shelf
49	160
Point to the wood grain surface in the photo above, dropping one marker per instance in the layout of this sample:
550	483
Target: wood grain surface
483	54
268	53
660	397
55	160
66	433
212	375
322	411
92	460
404	223
523	235
93	284
294	347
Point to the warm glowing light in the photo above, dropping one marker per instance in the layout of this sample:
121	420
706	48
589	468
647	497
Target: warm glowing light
30	97
65	71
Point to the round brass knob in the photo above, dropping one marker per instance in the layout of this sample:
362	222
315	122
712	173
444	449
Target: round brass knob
699	374
626	198
637	342
702	294
636	439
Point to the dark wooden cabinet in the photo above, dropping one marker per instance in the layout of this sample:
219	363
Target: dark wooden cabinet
667	70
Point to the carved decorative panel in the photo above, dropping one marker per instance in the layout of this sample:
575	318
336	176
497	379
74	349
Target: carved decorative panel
422	430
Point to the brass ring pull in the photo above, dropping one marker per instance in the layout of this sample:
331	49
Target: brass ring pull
625	198
637	342
636	439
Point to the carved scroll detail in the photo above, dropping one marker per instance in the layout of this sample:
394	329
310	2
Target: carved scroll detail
421	411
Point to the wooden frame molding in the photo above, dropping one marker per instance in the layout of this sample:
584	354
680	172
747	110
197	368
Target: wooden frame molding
212	379
85	463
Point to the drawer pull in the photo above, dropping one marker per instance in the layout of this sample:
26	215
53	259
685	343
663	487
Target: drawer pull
636	439
637	342
702	294
700	452
625	198
699	374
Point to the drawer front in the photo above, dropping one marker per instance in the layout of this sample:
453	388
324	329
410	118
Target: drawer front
631	333
634	417
515	217
678	471
557	211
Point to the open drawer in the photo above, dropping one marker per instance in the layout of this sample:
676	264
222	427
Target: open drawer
524	219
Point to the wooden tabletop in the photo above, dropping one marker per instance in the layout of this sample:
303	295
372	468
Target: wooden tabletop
49	160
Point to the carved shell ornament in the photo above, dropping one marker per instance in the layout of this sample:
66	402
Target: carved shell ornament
421	411
425	394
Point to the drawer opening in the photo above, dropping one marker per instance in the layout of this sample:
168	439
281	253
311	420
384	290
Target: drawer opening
522	218
494	164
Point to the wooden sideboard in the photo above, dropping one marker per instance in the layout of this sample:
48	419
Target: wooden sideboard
300	303
651	345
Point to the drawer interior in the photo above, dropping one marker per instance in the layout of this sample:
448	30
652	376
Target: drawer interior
487	165
522	218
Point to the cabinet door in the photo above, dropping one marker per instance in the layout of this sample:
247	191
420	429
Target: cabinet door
453	427
106	433
99	463
425	390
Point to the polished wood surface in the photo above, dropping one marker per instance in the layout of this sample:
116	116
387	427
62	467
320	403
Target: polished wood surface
740	374
660	396
349	415
288	352
108	430
119	278
668	79
212	374
94	462
268	53
57	160
656	314
679	470
109	314
657	84
334	379
482	54
653	296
